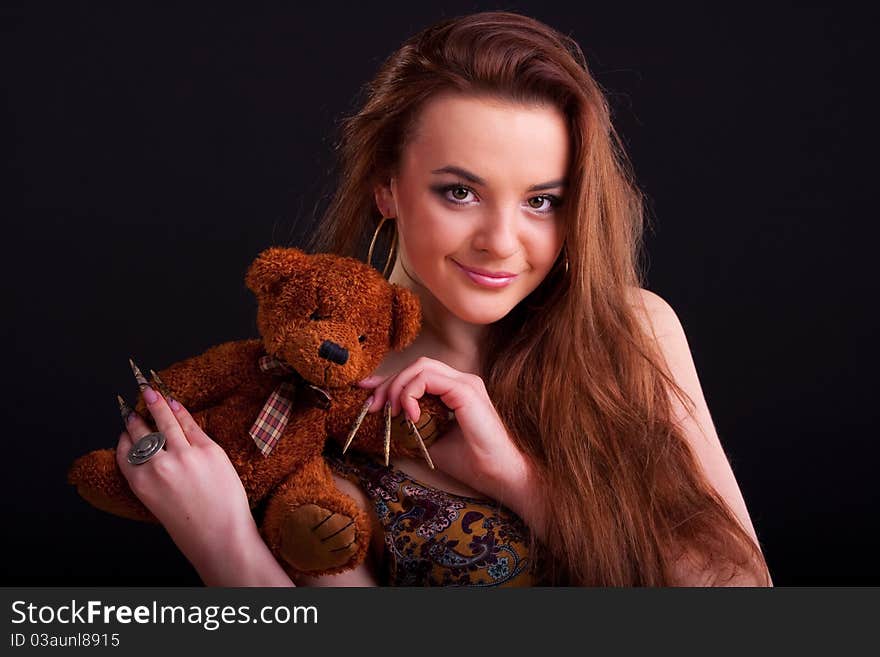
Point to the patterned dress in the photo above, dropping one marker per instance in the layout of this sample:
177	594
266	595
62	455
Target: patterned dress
435	538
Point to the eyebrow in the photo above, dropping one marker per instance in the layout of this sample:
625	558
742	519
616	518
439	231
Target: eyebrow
474	178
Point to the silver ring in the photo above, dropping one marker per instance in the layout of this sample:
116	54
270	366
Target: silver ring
146	448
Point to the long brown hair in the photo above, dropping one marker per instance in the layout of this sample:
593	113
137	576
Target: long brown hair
580	386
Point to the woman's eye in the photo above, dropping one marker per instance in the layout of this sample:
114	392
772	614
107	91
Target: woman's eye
553	202
459	193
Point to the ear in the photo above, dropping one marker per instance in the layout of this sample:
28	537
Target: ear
272	265
407	317
384	197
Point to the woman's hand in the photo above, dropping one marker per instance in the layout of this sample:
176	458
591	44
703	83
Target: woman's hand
478	451
190	486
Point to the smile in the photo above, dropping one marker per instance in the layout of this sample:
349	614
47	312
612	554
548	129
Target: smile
485	281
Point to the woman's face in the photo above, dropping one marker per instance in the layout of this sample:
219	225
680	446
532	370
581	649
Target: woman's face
478	187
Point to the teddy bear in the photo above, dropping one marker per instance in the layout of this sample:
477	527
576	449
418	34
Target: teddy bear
272	403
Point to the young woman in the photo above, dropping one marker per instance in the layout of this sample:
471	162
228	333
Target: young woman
487	146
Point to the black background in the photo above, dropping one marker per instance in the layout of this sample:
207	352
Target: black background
153	151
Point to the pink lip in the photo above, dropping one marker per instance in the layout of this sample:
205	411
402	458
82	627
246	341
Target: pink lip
486	272
486	278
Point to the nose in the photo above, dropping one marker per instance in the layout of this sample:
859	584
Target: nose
333	352
498	233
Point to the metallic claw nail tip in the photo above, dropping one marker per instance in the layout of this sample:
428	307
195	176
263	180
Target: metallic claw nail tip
387	431
357	423
124	409
415	430
160	384
141	379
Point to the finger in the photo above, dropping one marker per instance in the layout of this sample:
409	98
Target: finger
415	389
130	418
392	390
123	447
380	394
136	427
191	429
371	381
166	421
407	374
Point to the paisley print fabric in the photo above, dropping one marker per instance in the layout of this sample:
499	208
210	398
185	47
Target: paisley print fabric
435	538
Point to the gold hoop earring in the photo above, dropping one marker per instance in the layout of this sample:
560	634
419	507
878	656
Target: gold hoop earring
566	259
391	251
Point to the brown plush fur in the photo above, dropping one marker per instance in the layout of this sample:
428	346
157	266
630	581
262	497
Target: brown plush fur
303	301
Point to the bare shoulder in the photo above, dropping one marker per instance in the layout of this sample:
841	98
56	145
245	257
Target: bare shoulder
657	317
660	321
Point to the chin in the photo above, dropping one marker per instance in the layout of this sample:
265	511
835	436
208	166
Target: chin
481	320
478	311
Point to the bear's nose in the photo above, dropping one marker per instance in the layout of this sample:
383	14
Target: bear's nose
333	352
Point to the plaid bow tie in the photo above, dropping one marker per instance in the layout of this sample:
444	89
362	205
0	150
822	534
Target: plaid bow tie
274	416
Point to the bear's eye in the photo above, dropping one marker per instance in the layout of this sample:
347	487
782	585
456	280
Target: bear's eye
315	316
361	338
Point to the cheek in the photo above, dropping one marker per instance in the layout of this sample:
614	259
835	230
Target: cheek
430	230
544	245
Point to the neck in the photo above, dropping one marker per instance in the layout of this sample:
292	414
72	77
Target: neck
444	336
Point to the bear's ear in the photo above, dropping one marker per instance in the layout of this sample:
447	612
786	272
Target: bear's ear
407	317
272	265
